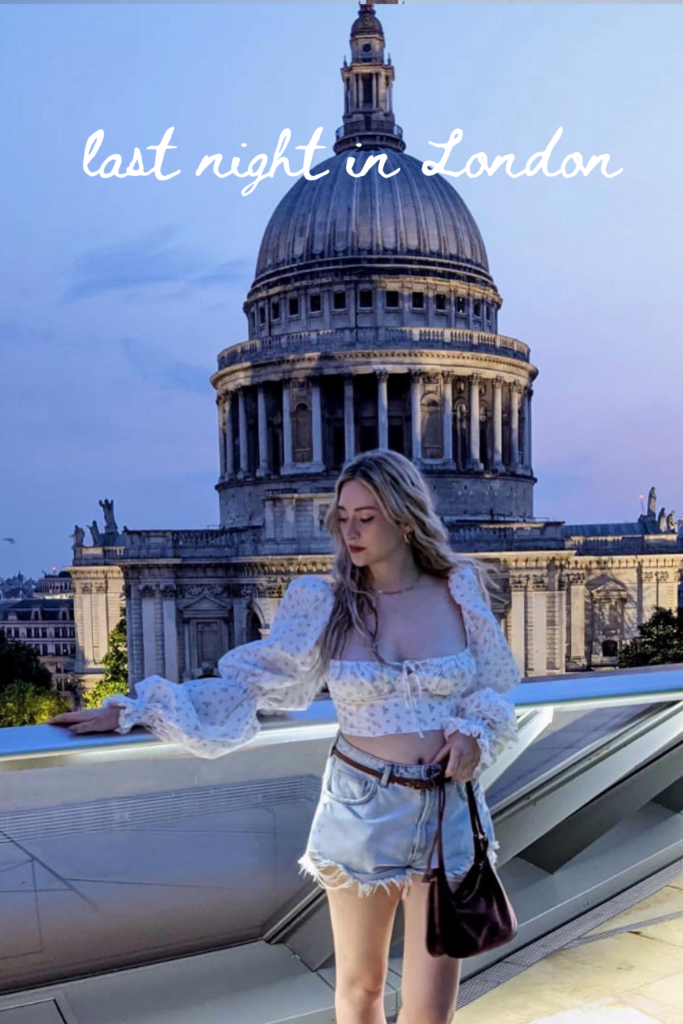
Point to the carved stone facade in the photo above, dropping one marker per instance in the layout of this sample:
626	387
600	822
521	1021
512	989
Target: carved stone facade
372	323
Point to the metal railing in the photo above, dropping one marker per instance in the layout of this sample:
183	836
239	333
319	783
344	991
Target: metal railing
150	853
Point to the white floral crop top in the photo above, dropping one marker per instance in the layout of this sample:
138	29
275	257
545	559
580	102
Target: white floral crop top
462	692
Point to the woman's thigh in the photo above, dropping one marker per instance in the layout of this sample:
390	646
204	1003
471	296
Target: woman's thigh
362	929
429	985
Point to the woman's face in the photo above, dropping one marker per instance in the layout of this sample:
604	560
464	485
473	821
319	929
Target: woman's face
368	534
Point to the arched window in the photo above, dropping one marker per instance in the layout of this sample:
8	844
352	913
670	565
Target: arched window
461	448
367	90
432	438
303	433
253	626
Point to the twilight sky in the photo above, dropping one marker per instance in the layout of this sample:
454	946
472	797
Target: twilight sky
119	293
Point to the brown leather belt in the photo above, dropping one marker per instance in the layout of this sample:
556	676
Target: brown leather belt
431	783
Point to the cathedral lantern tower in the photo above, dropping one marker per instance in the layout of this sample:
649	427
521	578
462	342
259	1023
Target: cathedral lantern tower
368	116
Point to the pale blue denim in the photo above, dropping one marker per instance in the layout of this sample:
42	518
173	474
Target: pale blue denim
378	833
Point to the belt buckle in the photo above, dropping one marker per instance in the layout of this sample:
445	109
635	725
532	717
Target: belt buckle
435	775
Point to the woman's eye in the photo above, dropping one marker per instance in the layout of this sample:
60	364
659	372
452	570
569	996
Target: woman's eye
367	520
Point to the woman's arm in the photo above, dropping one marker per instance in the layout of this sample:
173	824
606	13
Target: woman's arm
210	717
484	711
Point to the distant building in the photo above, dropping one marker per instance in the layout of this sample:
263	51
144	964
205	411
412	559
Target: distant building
47	625
58	585
16	588
372	322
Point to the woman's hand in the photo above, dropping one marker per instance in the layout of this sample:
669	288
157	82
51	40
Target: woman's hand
89	720
463	754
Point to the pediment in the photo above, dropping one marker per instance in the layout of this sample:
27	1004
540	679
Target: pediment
206	603
607	587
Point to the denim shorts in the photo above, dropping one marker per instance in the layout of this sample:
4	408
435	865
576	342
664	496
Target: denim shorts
378	833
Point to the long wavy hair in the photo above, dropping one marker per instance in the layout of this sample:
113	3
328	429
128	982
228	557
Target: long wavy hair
403	495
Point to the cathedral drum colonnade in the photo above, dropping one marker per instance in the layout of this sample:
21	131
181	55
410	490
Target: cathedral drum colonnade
448	426
372	321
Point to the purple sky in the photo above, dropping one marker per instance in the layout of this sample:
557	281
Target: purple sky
119	293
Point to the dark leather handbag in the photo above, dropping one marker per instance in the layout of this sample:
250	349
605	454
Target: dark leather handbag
477	915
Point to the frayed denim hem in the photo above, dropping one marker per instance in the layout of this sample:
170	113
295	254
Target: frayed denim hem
342	880
314	865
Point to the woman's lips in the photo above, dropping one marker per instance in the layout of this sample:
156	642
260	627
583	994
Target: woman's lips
353	548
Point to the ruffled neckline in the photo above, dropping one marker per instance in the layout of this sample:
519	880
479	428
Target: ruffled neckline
401	665
454	579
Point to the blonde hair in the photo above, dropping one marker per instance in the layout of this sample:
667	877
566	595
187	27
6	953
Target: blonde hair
403	495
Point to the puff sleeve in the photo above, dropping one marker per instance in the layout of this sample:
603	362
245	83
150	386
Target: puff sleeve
483	710
210	717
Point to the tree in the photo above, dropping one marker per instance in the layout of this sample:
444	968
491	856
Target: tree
27	704
115	661
26	693
19	662
659	641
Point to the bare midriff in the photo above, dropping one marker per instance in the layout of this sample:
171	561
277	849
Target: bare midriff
401	748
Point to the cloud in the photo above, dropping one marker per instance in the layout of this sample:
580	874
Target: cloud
160	369
146	262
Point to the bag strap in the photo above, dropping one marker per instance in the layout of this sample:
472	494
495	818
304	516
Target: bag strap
481	841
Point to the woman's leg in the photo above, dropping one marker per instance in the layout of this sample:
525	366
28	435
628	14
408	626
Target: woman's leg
429	985
362	928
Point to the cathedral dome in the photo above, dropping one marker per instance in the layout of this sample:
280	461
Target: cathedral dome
409	222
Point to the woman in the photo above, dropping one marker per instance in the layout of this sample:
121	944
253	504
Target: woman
417	665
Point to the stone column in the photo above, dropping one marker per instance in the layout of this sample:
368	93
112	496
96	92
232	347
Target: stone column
80	661
187	646
527	429
87	634
416	413
317	425
159	649
383	407
556	628
148	631
475	462
286	425
263	466
170	629
517	621
648	594
244	448
349	424
576	582
498	466
229	443
136	669
447	379
515	392
536	621
101	623
222	452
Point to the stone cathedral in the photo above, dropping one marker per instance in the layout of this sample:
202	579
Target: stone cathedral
372	321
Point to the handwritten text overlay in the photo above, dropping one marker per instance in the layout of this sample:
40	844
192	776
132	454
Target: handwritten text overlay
477	164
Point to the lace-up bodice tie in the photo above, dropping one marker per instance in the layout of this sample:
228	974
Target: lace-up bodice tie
410	675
